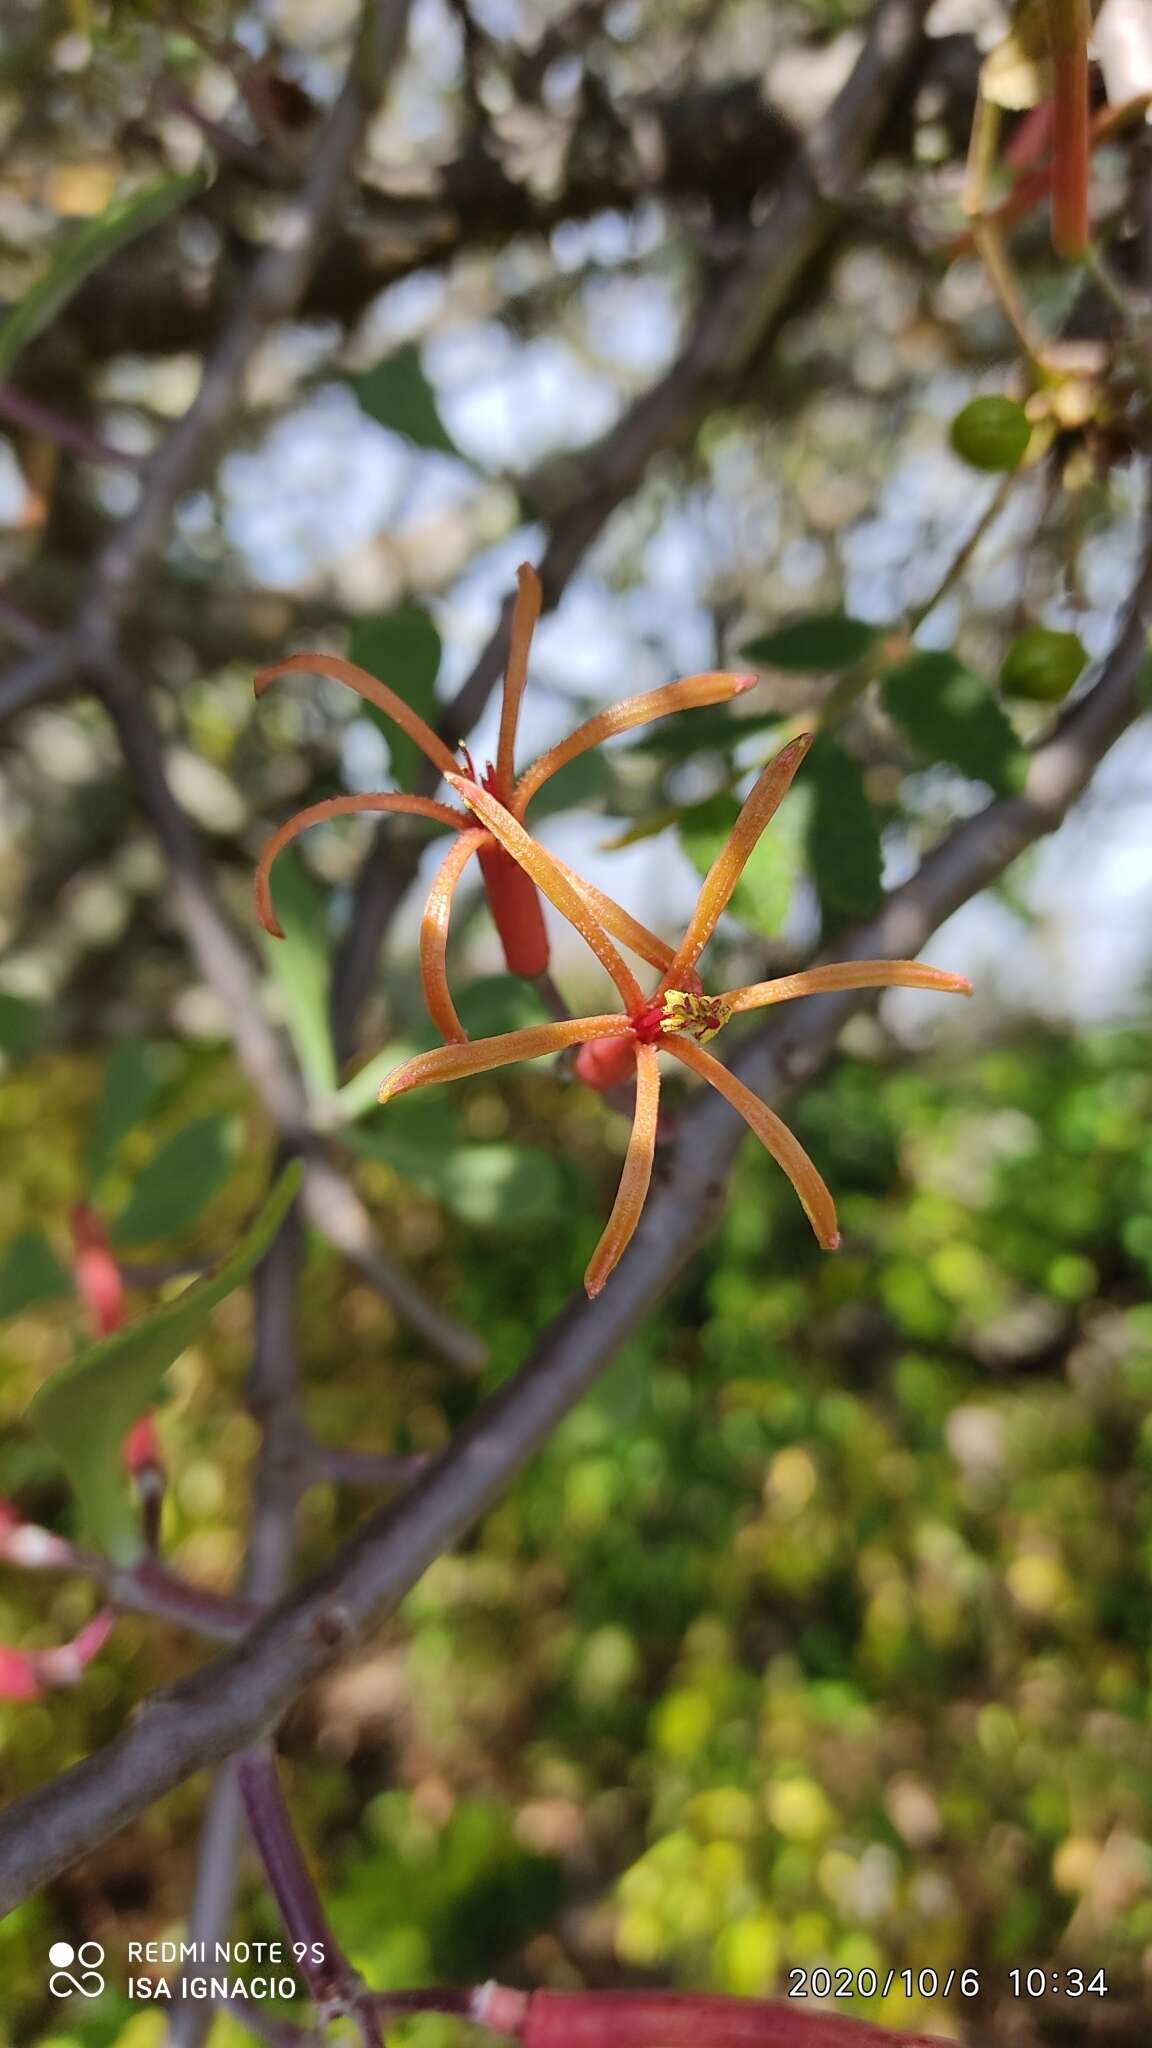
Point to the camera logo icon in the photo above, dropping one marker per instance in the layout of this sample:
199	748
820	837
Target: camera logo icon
88	1960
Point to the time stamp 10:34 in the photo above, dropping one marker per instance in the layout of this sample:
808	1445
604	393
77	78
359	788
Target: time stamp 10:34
1036	1982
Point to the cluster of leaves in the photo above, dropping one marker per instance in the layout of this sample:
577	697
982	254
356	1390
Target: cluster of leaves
784	1649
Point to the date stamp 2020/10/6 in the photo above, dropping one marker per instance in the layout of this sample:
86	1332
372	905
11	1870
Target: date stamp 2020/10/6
1040	1981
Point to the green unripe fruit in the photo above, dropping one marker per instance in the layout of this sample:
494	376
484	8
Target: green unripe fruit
1042	664
991	433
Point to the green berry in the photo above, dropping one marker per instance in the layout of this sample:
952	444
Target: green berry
1043	664
991	433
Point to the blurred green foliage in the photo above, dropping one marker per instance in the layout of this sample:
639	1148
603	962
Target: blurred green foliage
818	1634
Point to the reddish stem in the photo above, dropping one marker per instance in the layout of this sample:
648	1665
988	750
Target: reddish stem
656	2019
336	1988
1069	27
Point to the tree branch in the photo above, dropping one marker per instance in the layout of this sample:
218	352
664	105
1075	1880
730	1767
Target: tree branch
240	1698
330	1202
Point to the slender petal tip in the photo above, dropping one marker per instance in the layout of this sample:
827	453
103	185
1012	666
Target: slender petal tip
831	1243
264	911
742	683
262	678
795	750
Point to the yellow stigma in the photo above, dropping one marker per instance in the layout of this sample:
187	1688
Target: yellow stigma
699	1017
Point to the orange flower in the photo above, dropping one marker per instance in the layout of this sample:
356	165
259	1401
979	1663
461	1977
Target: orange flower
676	1018
511	891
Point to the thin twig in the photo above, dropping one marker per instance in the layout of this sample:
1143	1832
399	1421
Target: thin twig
241	1696
337	1990
80	440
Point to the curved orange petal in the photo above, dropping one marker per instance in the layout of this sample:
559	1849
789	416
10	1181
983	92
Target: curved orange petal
618	922
786	1150
713	687
335	807
760	805
525	613
434	937
480	1055
372	691
637	1174
549	877
816	981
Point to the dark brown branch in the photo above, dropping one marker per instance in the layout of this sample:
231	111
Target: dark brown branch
240	1698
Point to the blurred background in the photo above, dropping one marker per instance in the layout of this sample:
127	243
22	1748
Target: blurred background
819	1633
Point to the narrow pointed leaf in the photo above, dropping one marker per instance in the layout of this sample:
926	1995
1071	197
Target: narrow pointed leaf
30	1273
814	646
843	837
950	715
299	962
81	250
397	394
133	1078
179	1181
83	1412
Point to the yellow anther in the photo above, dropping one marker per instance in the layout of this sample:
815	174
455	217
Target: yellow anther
700	1017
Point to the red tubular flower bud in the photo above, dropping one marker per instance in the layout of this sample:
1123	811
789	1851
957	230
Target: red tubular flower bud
606	1062
515	905
95	1271
670	2019
140	1450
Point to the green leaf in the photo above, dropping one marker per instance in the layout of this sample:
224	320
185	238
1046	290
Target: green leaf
843	838
81	251
492	1186
30	1273
21	1023
499	1002
816	645
396	394
1042	664
503	1187
714	729
300	964
949	714
991	433
179	1182
403	649
764	892
358	1095
133	1078
580	784
85	1410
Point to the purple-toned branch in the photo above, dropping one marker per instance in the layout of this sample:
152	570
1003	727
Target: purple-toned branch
243	1694
271	1396
336	1989
39	419
144	1588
